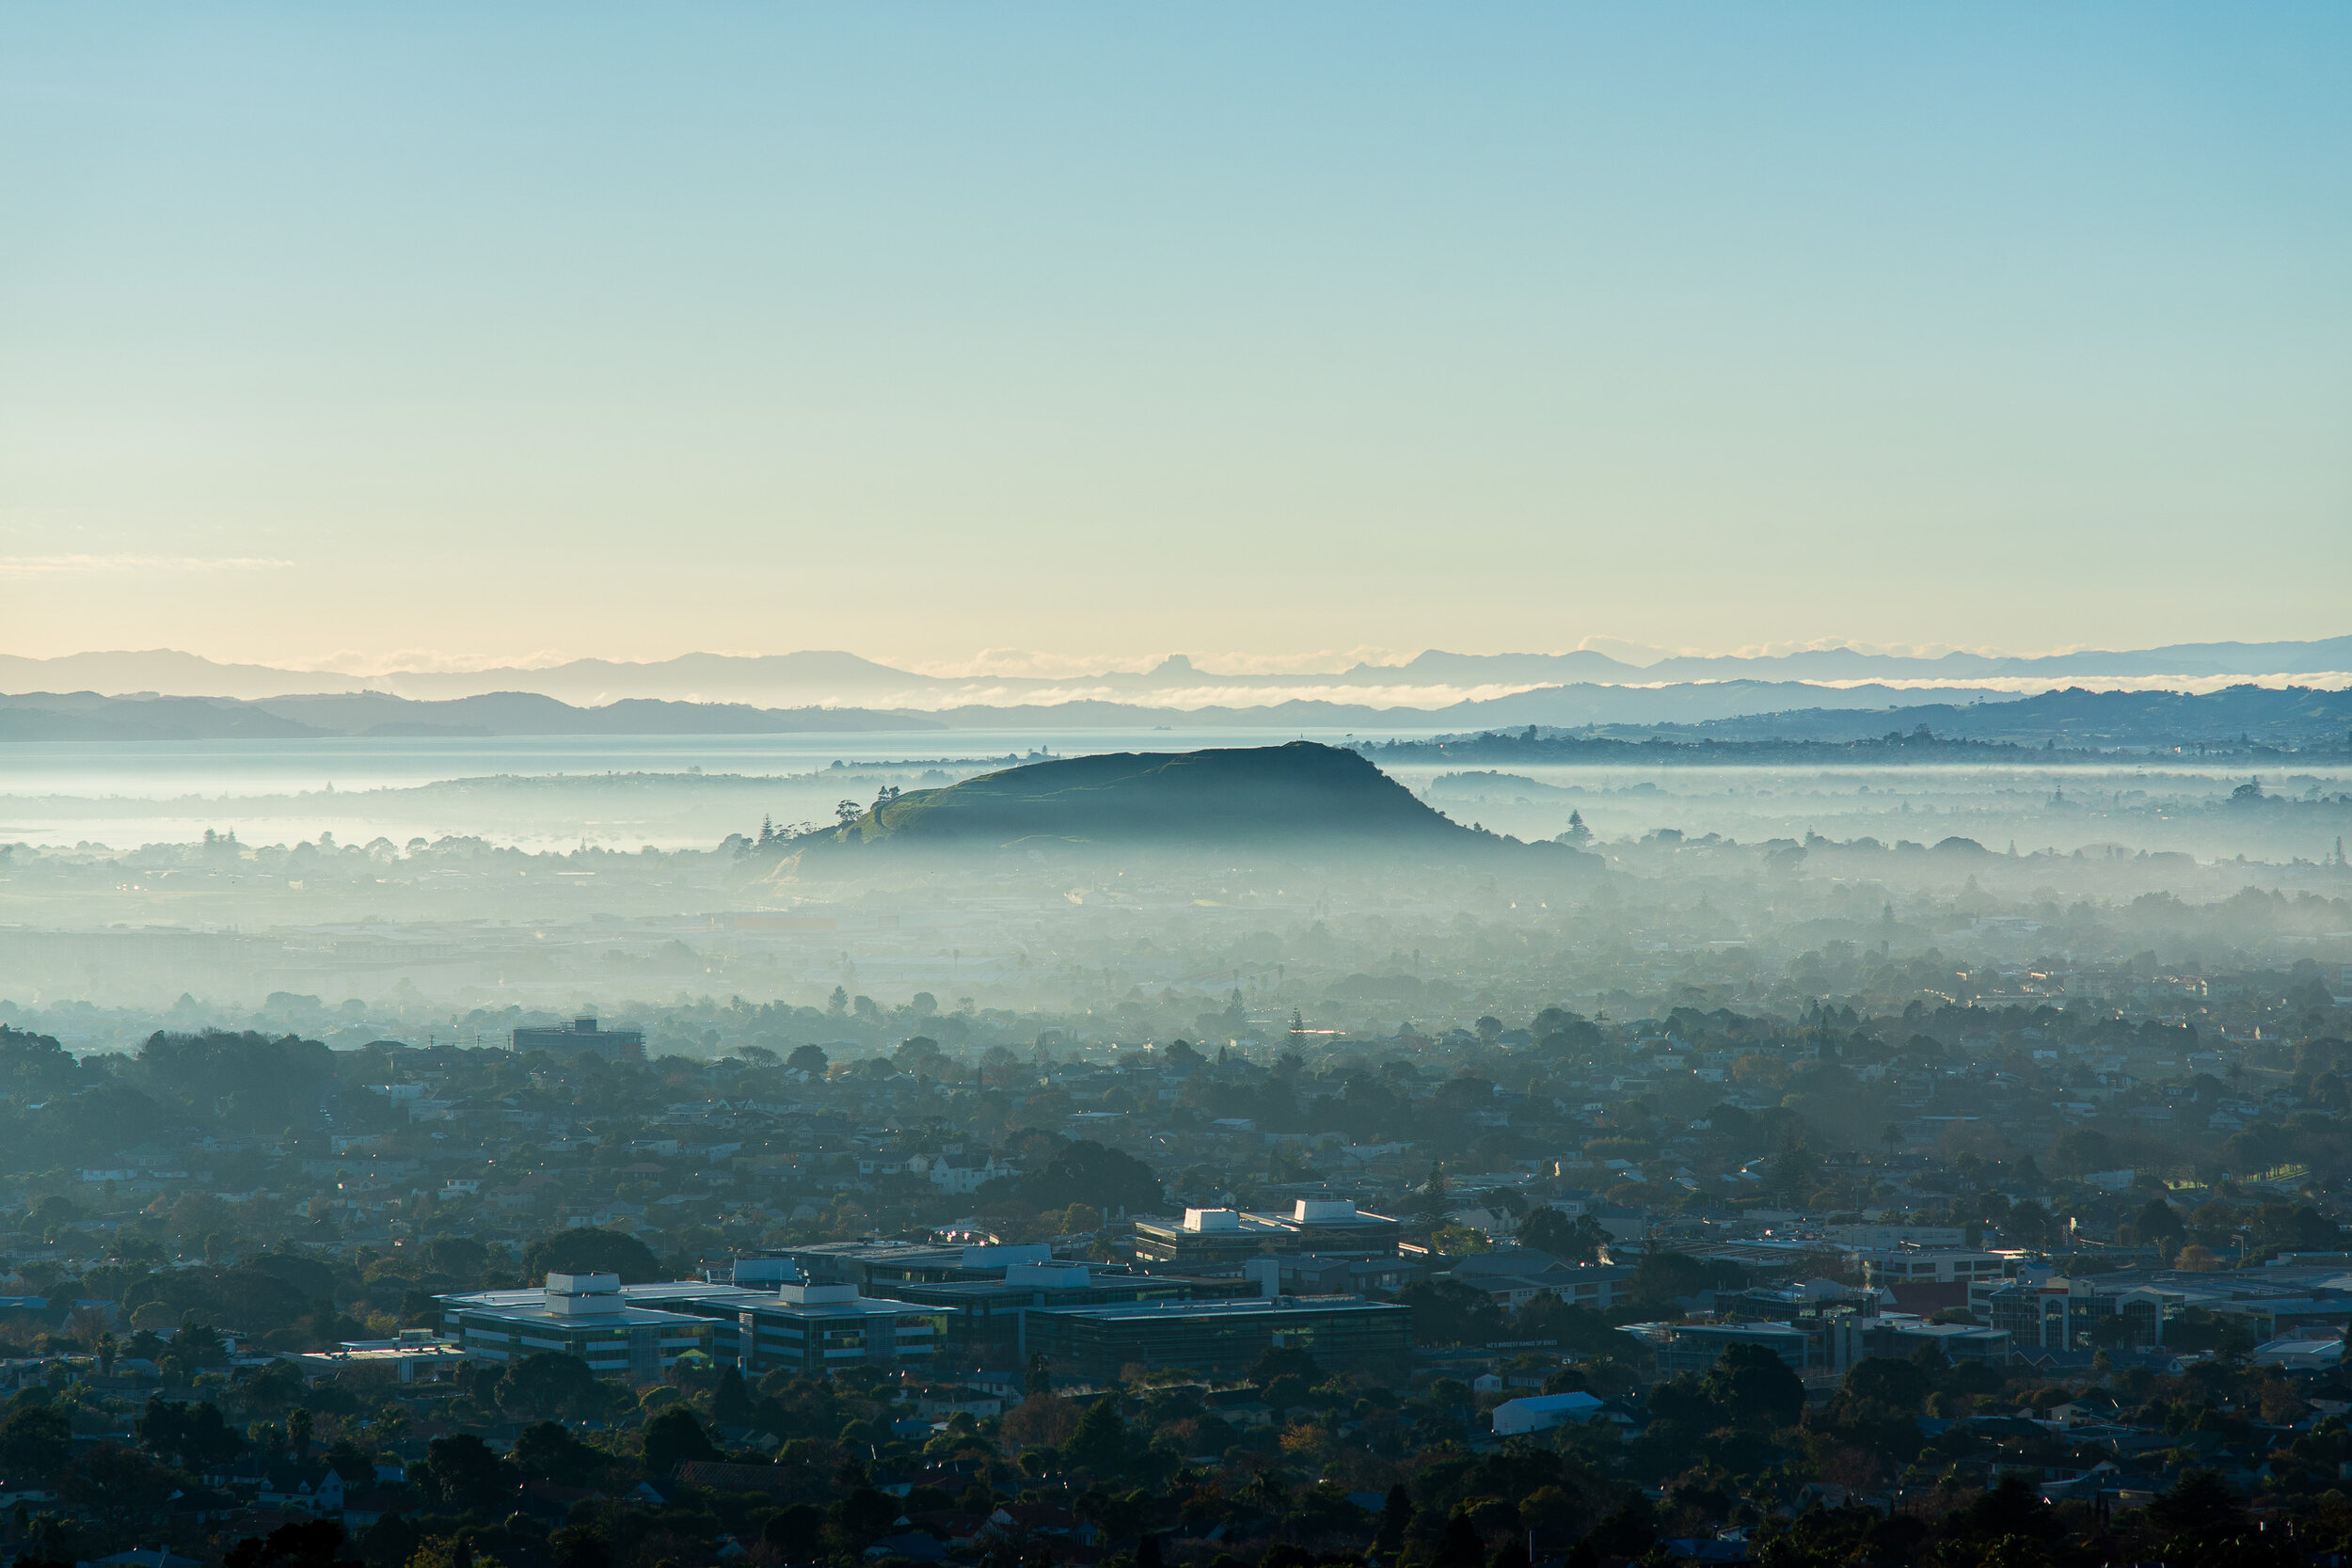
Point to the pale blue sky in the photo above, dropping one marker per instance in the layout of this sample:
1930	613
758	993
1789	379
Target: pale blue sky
919	330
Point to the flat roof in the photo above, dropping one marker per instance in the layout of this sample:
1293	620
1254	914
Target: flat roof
1245	1307
945	1252
679	1289
775	1307
626	1317
1266	1219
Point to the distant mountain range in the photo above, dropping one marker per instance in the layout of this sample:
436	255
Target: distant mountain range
1431	680
86	715
1298	793
1720	710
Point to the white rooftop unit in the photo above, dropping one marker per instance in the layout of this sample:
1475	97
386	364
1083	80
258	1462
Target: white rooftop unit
1213	1219
817	1295
579	1295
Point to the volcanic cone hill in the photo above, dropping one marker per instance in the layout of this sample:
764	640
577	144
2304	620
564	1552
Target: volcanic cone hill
1299	792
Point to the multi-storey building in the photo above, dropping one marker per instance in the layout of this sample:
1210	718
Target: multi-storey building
817	1329
588	1315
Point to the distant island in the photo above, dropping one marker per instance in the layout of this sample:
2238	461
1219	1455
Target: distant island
1300	792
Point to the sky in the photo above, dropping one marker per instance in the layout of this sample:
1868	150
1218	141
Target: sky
421	333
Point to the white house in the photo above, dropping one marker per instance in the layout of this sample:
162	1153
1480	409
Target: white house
959	1175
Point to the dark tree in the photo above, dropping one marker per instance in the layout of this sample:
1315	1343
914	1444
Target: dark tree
1755	1387
1085	1172
1100	1444
730	1402
1630	1531
2199	1506
308	1543
1396	1517
1449	1313
545	1451
579	1546
864	1514
118	1486
1579	1240
467	1473
592	1251
673	1438
797	1534
547	1384
1460	1546
34	1443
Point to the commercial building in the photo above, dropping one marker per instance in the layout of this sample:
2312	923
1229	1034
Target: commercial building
583	1034
816	1329
979	1295
1341	1333
413	1355
873	1265
985	1318
1900	1334
588	1315
2042	1309
1820	1328
1209	1237
1927	1280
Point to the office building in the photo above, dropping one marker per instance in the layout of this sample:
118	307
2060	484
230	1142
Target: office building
1211	1237
583	1034
587	1315
985	1318
816	1329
